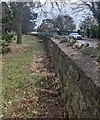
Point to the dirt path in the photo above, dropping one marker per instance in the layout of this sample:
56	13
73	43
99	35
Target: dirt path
50	104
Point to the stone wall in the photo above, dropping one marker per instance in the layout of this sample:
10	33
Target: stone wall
80	88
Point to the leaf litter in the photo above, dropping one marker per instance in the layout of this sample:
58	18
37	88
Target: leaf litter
40	97
49	94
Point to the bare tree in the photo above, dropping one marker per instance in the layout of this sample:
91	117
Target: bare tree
46	26
87	23
92	5
64	23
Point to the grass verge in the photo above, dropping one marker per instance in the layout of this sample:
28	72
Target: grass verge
18	83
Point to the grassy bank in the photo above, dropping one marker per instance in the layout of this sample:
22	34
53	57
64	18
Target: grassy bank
17	74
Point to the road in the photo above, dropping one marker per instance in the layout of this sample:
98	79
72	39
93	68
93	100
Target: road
92	43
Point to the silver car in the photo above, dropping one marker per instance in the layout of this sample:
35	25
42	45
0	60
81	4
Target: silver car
75	36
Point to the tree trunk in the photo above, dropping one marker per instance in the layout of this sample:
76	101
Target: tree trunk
19	32
19	23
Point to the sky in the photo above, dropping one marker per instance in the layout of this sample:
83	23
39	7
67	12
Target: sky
66	9
77	16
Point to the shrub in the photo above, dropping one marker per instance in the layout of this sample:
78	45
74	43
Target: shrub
6	39
95	31
98	31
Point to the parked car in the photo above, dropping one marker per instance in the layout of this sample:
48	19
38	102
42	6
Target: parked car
33	33
75	36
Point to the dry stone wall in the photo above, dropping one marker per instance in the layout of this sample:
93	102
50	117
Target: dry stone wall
80	88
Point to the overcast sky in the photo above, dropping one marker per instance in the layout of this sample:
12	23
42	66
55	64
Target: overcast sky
77	16
66	9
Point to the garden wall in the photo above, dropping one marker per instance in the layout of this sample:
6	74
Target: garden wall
79	80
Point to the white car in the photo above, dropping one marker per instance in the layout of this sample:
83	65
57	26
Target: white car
75	36
33	33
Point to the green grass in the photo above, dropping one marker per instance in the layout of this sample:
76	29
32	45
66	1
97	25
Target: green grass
16	66
0	40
